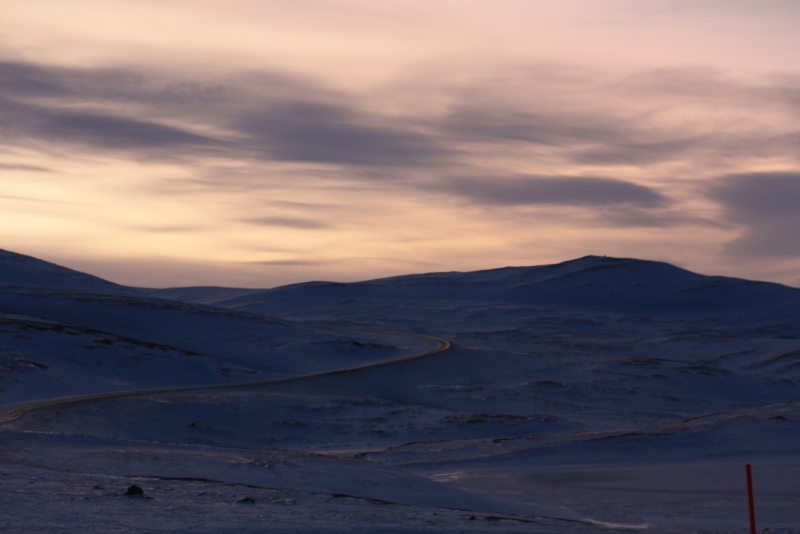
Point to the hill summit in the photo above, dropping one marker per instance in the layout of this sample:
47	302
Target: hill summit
27	271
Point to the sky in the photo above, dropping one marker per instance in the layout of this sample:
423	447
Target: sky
258	143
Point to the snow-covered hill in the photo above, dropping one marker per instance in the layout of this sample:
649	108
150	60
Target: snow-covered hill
590	283
66	333
25	271
595	395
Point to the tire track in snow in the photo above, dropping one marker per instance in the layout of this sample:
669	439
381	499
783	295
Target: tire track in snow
440	345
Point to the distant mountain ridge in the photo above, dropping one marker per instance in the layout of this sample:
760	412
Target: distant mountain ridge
27	271
591	282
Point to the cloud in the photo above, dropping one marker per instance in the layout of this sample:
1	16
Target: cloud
117	132
267	116
26	124
27	79
57	86
478	122
596	137
168	229
592	138
250	120
20	167
287	222
636	153
327	133
766	206
285	263
650	117
555	190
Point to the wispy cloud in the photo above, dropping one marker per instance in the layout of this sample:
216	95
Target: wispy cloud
576	149
285	263
478	122
555	190
109	131
765	205
325	133
22	167
287	222
31	125
275	116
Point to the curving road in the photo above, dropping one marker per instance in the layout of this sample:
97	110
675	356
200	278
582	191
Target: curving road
14	412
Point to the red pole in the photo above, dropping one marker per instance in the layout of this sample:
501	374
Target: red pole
750	498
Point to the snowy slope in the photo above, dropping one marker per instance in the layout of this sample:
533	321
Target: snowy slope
64	333
26	271
596	395
589	283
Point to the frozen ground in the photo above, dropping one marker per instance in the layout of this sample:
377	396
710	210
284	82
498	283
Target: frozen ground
598	395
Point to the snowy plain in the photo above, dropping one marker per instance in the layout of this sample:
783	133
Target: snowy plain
595	395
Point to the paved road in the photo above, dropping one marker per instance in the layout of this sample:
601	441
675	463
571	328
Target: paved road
14	412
